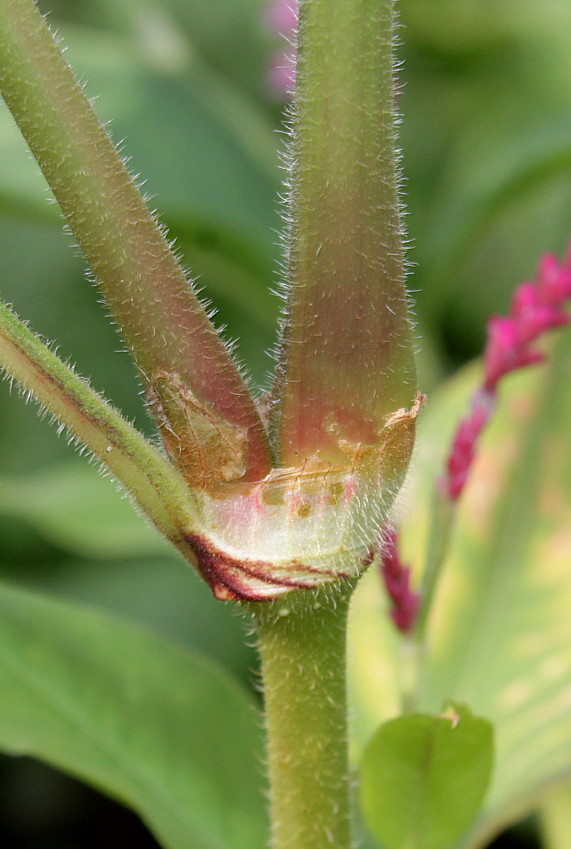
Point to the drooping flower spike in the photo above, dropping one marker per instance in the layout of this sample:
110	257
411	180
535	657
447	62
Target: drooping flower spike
396	577
536	307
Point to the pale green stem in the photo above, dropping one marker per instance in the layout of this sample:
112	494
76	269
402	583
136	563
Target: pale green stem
415	644
442	515
302	642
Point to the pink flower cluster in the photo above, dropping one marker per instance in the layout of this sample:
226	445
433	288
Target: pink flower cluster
281	20
396	577
536	307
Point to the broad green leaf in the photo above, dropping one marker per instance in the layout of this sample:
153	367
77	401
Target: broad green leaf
228	34
210	162
423	778
156	592
500	633
469	134
513	192
211	157
160	729
67	532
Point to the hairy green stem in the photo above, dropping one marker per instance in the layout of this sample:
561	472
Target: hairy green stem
153	483
302	645
164	325
342	372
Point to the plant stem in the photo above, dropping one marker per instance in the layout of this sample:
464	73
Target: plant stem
302	645
156	487
341	372
165	326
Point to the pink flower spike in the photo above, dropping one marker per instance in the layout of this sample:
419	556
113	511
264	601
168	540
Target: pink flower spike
539	321
463	447
396	578
499	354
532	316
535	308
525	298
553	280
404	616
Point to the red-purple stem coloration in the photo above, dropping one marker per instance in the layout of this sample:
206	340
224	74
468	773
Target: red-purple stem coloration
536	307
396	577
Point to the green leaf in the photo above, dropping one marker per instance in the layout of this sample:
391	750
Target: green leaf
424	777
501	631
214	190
221	166
226	33
163	730
80	512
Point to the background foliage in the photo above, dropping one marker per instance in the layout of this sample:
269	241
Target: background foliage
486	139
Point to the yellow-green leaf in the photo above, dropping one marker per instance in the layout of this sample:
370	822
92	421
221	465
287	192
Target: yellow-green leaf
423	778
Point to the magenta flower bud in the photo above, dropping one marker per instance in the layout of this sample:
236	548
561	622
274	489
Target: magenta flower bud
503	351
396	577
554	279
463	447
532	315
536	307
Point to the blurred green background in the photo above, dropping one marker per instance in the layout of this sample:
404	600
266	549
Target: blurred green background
486	137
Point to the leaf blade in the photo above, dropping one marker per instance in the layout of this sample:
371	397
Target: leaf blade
124	720
424	778
507	596
500	632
